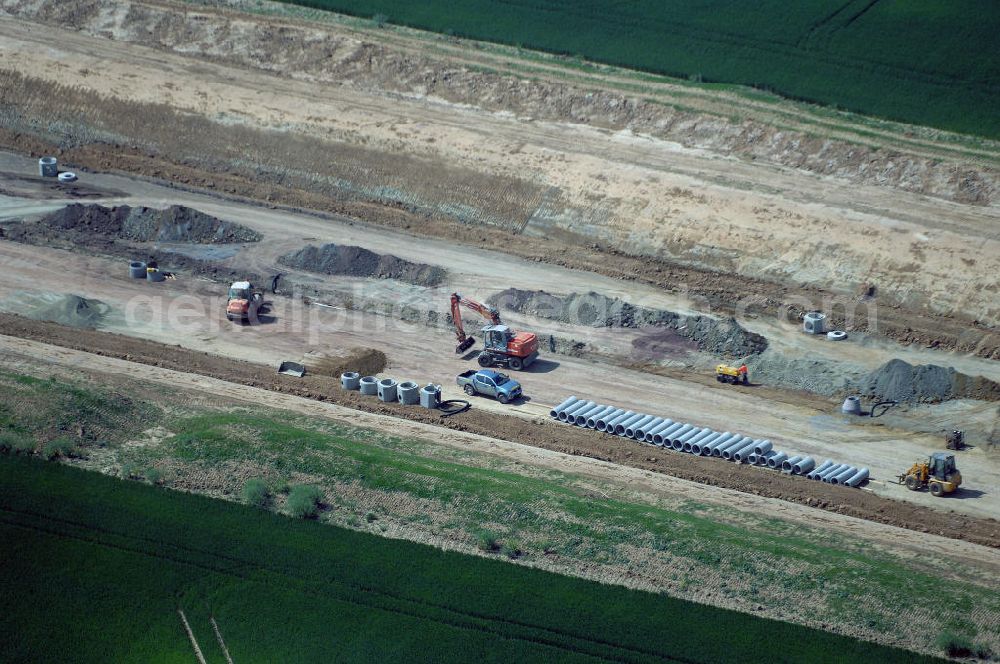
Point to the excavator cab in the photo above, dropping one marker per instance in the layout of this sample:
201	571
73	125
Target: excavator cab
496	338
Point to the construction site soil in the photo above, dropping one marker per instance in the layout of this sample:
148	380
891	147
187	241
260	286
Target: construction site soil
360	262
538	433
898	380
597	310
708	289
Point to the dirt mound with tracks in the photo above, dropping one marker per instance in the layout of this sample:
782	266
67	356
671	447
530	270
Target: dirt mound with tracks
897	380
70	310
542	433
724	336
359	262
176	223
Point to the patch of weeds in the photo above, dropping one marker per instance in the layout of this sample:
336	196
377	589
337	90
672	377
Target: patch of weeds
370	517
59	447
153	476
954	645
304	501
487	541
353	521
256	493
513	550
128	471
10	442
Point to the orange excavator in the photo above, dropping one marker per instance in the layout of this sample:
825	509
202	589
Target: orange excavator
502	346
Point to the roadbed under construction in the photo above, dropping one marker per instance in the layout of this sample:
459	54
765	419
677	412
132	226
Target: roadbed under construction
538	433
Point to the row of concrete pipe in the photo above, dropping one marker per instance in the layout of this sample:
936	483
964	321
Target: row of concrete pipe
701	441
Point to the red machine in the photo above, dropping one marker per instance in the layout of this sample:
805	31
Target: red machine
502	346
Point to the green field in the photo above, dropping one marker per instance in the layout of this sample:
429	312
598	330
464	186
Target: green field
94	569
918	61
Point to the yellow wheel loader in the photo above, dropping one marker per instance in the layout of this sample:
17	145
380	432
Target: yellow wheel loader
938	473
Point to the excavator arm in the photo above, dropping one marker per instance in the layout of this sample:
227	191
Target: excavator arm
457	302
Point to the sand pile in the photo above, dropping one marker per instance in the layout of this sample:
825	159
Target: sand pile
723	336
142	224
358	262
897	380
71	310
366	361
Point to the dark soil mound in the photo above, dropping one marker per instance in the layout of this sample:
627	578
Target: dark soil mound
143	224
359	262
897	380
366	361
724	336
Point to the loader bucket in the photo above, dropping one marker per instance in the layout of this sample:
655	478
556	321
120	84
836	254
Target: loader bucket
292	369
465	345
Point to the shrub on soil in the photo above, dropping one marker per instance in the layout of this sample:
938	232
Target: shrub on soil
954	645
256	493
59	447
304	501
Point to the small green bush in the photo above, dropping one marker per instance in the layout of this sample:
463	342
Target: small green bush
513	550
304	501
983	651
153	476
256	493
380	20
954	645
370	517
23	446
128	471
8	441
487	541
59	447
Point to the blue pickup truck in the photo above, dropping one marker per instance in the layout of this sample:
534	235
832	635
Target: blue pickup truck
488	382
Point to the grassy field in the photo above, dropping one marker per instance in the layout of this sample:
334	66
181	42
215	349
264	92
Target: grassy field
915	61
472	502
95	569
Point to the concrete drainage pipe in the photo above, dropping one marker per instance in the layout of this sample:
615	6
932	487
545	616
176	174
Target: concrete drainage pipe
602	423
662	436
633	429
612	425
387	390
641	432
662	426
622	425
568	414
608	423
831	471
563	406
741	454
368	386
694	445
763	446
845	474
580	417
137	270
721	445
803	466
789	463
762	459
857	478
735	446
350	380
777	460
408	393
595	418
430	396
815	472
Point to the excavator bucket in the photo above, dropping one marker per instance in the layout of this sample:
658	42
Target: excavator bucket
292	369
465	345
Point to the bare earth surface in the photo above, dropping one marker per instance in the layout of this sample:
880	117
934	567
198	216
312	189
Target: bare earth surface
508	169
